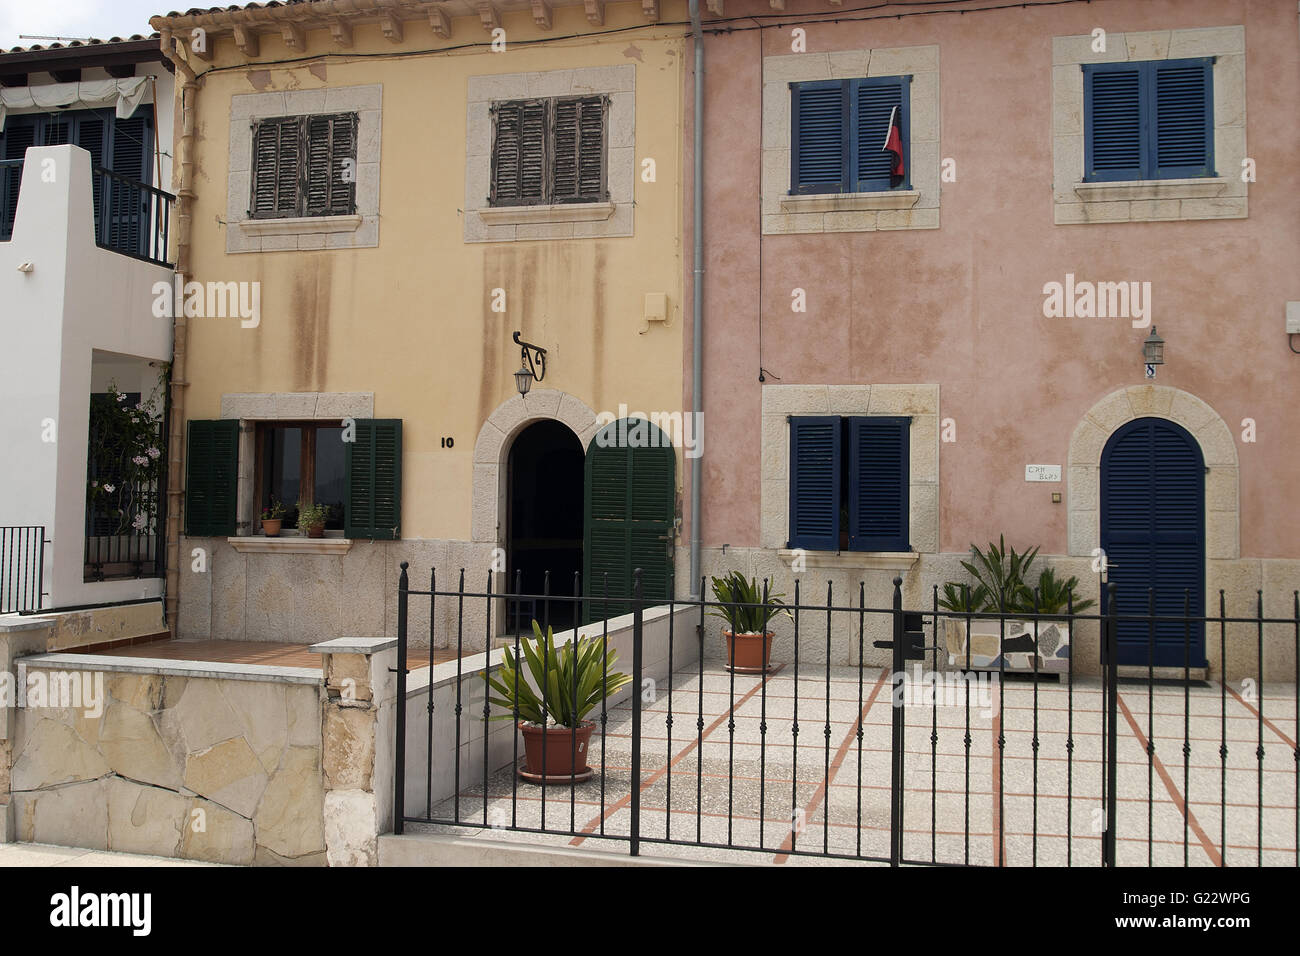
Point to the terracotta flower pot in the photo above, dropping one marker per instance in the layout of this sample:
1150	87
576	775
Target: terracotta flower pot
316	531
271	527
747	652
566	749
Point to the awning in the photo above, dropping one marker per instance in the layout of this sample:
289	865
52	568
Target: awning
124	95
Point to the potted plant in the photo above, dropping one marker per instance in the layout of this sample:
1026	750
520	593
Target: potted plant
999	588
311	519
272	518
577	677
747	612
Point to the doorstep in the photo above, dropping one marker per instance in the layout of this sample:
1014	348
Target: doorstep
1141	672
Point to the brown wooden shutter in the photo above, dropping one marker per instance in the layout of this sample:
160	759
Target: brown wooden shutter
519	153
277	165
579	170
331	141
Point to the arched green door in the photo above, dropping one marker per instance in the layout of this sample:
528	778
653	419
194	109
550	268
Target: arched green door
629	491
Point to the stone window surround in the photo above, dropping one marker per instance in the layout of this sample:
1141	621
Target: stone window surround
1221	197
359	231
484	223
921	402
1083	488
253	407
917	208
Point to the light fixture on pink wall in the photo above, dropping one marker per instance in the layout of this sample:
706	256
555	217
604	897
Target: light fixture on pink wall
1153	352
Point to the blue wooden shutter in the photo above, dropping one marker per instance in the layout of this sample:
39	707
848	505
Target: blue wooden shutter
19	133
878	481
819	137
1182	122
373	500
211	472
1112	106
815	483
873	100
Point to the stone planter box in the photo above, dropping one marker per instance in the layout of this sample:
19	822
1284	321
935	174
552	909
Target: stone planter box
978	650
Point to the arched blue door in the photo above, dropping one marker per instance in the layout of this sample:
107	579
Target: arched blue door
1153	534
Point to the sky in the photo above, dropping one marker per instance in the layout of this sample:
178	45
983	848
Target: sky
82	19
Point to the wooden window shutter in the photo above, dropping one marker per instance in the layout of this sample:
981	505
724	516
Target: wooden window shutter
819	137
878	483
373	499
815	482
211	472
1182	120
872	104
127	209
578	133
16	137
331	142
519	156
277	166
1113	122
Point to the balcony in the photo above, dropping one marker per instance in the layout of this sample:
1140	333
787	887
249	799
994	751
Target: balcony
131	218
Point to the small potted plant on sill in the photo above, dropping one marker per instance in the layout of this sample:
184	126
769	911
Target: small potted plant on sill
748	612
272	518
311	519
576	677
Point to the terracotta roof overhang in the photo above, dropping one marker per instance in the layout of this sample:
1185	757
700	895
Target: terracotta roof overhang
77	55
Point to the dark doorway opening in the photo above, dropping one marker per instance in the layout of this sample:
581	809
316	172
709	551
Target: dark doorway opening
544	523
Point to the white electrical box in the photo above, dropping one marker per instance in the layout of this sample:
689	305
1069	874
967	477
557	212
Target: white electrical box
1293	318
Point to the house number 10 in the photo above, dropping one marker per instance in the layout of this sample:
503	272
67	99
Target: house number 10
448	442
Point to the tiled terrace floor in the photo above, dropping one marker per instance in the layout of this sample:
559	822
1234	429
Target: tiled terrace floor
1014	810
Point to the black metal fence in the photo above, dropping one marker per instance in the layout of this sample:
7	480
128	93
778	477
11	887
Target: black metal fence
1041	756
131	218
22	568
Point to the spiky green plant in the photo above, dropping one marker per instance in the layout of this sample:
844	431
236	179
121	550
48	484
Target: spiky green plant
1001	572
1053	595
746	608
576	677
962	598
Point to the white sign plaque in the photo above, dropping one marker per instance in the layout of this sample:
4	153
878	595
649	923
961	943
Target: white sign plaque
1042	472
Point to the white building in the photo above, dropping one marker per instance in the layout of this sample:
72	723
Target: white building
85	136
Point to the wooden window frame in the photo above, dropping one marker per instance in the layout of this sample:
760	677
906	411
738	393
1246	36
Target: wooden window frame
851	183
548	197
303	123
307	452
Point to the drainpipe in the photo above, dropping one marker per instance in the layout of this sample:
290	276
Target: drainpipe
697	366
184	161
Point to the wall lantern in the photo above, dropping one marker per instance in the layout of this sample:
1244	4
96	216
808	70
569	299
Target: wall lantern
533	367
1153	352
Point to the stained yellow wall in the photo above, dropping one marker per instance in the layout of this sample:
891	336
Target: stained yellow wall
410	320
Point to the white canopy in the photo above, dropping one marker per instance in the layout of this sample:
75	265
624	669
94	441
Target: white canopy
125	95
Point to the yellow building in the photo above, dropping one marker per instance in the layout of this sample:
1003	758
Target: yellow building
377	200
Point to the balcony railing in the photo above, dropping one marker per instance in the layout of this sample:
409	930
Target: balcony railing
22	568
131	218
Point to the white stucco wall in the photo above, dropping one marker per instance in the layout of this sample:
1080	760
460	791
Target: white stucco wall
77	299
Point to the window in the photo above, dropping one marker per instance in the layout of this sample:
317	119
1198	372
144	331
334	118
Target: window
360	479
547	151
1148	120
304	166
121	146
838	133
301	462
848	483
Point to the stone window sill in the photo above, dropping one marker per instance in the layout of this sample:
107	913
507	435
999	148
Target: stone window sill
1151	189
260	544
559	212
854	560
851	202
300	226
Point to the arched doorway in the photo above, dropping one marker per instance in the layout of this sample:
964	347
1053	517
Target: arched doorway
1153	535
544	521
630	502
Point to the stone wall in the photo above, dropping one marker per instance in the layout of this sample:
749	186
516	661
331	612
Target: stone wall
222	770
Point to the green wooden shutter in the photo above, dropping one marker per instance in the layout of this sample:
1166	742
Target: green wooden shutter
373	501
277	153
331	141
629	499
211	473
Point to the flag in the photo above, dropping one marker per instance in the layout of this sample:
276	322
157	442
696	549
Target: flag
894	144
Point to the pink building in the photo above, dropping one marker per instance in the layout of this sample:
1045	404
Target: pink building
895	367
